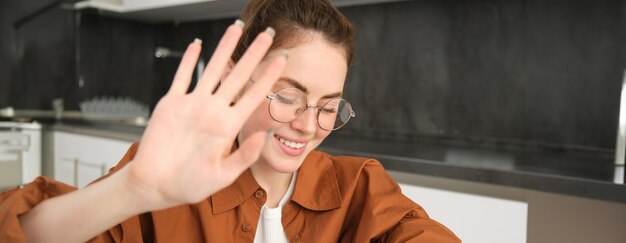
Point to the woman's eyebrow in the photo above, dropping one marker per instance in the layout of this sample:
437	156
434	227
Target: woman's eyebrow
333	95
294	83
299	86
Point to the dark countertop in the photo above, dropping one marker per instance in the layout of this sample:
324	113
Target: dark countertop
589	175
110	130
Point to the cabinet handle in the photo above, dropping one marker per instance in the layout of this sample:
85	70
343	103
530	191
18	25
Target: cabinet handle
14	140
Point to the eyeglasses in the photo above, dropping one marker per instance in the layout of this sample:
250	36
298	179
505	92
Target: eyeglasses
288	104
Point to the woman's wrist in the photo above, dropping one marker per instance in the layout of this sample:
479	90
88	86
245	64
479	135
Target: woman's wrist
140	198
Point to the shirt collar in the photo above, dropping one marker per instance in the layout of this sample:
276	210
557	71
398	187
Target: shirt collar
235	194
316	187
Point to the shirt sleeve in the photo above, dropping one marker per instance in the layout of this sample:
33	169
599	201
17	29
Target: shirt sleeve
16	202
387	215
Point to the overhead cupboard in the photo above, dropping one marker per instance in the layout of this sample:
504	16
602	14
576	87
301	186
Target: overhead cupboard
182	10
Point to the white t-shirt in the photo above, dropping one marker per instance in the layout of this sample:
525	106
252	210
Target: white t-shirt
270	228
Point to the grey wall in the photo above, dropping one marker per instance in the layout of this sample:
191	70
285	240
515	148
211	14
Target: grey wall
493	73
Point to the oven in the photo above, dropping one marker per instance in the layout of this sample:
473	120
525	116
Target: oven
20	153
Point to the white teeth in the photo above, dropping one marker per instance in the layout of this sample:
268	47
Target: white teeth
290	143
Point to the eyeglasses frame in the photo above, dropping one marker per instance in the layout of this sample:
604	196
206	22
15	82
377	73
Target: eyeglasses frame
318	108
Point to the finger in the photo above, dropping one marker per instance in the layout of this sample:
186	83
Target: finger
259	90
182	79
247	153
240	75
220	58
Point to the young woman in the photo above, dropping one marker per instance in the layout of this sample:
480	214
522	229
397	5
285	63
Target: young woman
235	160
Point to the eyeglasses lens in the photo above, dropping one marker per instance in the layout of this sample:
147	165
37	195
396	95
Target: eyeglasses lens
288	104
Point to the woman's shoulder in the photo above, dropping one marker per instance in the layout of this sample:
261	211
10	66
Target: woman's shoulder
350	170
351	163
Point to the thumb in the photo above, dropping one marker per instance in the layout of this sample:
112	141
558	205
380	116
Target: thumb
248	152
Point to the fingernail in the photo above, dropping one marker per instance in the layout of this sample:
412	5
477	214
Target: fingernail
270	134
286	54
270	31
240	23
197	40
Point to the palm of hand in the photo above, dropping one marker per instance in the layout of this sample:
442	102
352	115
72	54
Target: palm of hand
186	153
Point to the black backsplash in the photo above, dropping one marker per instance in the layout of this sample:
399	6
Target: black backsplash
41	49
536	71
500	72
117	59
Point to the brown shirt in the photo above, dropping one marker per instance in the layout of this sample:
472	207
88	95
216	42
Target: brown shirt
336	199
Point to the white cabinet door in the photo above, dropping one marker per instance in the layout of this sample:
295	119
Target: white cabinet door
80	159
473	218
88	172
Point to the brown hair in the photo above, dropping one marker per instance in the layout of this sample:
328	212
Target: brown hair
294	22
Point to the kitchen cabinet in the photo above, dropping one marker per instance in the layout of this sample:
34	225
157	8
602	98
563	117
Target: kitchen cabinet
182	10
80	159
474	218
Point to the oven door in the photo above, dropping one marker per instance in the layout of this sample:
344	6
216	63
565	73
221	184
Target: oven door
12	146
20	153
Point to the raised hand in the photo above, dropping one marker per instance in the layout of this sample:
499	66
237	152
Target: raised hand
185	154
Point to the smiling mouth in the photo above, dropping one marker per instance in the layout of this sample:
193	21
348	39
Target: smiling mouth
290	148
290	144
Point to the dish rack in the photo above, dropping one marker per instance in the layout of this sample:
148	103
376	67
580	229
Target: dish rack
114	108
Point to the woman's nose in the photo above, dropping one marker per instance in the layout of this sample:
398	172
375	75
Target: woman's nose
307	122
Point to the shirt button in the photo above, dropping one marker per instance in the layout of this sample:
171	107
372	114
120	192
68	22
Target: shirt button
245	227
258	194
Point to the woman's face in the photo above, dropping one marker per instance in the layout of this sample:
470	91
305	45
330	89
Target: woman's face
319	69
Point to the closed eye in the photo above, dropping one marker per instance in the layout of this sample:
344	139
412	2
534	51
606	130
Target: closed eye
326	110
286	100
